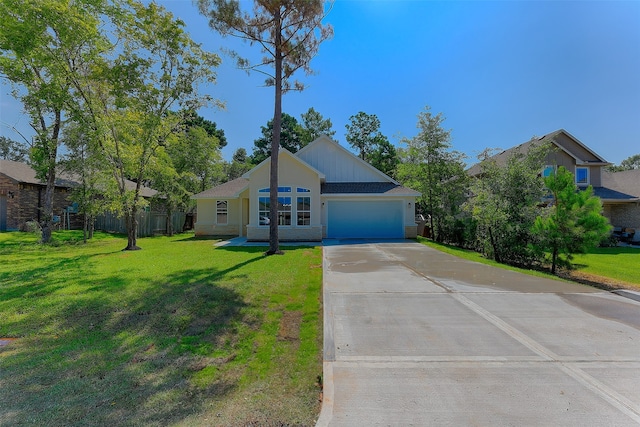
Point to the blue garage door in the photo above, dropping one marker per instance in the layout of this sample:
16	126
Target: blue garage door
365	219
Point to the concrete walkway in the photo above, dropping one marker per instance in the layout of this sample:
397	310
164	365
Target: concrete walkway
414	336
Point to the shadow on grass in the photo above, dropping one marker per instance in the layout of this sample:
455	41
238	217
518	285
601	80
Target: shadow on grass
116	355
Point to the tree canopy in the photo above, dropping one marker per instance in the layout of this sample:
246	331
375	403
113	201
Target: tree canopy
291	138
630	163
429	165
13	150
572	223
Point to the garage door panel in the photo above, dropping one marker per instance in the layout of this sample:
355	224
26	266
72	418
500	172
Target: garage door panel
365	219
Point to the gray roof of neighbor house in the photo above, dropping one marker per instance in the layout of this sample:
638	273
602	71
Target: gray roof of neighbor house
388	188
624	185
24	173
228	190
502	157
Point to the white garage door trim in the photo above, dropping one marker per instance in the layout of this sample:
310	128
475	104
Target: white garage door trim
365	219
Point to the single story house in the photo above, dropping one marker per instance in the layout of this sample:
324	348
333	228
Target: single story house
324	191
22	196
619	191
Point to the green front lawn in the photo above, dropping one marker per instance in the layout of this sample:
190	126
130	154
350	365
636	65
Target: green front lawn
179	333
617	263
608	267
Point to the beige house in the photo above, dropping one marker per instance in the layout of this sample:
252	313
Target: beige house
325	191
619	191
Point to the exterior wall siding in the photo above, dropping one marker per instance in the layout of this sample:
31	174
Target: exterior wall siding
337	164
207	225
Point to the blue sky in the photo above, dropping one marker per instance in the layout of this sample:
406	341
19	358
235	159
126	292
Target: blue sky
500	72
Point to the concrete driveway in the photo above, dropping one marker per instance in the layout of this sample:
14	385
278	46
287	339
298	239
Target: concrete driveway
413	336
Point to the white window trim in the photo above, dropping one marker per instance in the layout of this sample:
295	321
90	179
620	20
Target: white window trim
226	211
293	195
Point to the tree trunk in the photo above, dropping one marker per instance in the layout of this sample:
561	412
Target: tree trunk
496	254
46	221
275	143
554	260
132	229
169	222
85	228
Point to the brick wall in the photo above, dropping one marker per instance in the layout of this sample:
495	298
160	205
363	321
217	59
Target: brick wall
23	201
625	215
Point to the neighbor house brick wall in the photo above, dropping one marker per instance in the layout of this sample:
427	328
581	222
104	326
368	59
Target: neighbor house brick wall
26	200
625	215
9	188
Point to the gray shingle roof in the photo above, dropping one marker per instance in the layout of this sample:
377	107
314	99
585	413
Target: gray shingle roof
228	190
388	188
623	185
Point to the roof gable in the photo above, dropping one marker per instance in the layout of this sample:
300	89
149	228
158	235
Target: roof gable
562	139
573	147
339	164
288	154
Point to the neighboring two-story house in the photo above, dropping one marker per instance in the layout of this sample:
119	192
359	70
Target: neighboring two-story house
619	191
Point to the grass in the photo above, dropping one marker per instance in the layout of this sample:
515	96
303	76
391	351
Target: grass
179	333
615	267
620	264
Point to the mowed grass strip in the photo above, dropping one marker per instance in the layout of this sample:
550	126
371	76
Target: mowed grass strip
179	333
620	264
615	267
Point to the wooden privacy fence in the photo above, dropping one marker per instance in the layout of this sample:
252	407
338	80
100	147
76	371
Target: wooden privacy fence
149	223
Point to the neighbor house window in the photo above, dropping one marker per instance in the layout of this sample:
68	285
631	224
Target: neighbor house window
222	211
548	170
303	210
582	176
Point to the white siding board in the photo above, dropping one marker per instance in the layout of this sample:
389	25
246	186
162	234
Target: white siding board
337	164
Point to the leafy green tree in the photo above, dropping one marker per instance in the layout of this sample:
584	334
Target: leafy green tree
91	195
195	155
193	119
384	157
504	204
629	163
129	92
572	223
314	125
13	150
289	33
42	43
291	138
363	133
429	165
239	164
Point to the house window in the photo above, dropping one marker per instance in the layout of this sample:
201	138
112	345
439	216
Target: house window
222	211
280	190
582	176
303	190
284	211
548	171
303	210
263	210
